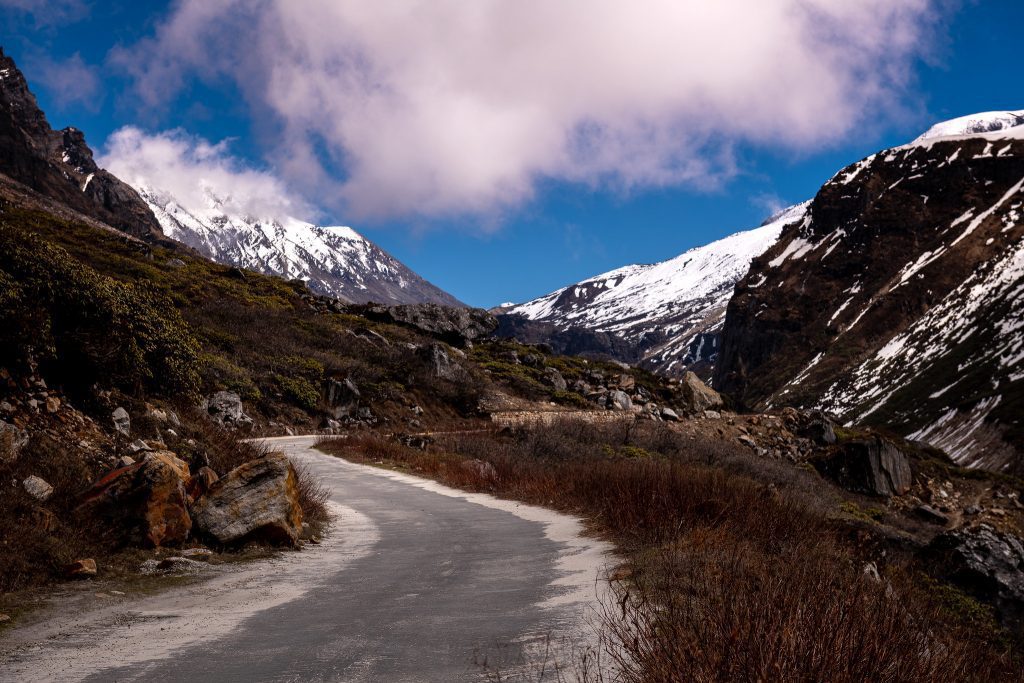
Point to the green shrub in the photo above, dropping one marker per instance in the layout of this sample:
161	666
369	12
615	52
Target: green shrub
300	391
569	398
91	328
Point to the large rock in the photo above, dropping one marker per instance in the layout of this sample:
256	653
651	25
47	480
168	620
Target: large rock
225	408
122	422
874	466
146	500
12	440
257	500
554	378
697	396
619	400
456	326
985	563
38	488
342	397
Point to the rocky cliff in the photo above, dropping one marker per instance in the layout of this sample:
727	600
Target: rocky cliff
899	299
59	164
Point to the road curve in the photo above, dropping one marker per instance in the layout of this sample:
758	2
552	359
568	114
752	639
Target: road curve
416	582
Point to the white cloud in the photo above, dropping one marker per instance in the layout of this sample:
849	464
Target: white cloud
193	171
442	107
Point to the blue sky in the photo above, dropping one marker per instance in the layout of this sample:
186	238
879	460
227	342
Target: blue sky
486	243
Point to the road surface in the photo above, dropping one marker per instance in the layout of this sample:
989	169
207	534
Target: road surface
416	582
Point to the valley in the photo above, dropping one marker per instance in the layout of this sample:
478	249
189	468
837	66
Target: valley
240	445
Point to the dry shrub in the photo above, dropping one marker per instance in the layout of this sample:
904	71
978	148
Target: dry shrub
716	607
312	498
37	539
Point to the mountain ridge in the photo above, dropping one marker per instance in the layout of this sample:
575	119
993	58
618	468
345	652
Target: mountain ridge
667	314
333	261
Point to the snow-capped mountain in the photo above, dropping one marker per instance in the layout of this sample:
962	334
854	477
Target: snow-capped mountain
899	298
973	124
667	314
334	261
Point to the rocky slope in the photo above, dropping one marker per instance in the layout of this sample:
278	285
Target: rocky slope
899	298
334	261
59	165
665	316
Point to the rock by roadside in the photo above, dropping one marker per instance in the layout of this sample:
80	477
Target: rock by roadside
258	500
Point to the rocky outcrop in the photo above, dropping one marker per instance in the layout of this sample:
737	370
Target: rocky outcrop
984	562
122	422
455	326
256	501
874	466
59	165
226	409
440	363
341	397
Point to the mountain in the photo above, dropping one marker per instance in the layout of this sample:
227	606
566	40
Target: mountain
666	316
58	164
333	261
899	299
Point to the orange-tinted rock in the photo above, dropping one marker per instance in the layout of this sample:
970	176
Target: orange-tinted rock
145	502
80	569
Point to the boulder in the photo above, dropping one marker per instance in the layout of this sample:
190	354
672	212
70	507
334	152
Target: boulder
12	440
626	382
342	397
820	430
533	360
225	408
147	500
619	400
698	396
985	563
52	404
80	569
257	500
138	446
122	422
440	363
554	378
874	466
37	488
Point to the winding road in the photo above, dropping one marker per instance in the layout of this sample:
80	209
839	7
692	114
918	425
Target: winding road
415	582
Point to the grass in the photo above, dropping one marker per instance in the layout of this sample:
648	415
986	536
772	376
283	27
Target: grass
738	571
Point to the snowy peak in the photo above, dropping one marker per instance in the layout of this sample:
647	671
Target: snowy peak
668	312
333	260
974	125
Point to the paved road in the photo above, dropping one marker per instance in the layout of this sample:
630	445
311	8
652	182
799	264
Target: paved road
427	584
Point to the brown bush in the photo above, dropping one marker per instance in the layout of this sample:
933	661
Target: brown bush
716	607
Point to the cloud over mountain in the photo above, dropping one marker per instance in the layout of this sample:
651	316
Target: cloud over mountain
450	107
190	169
